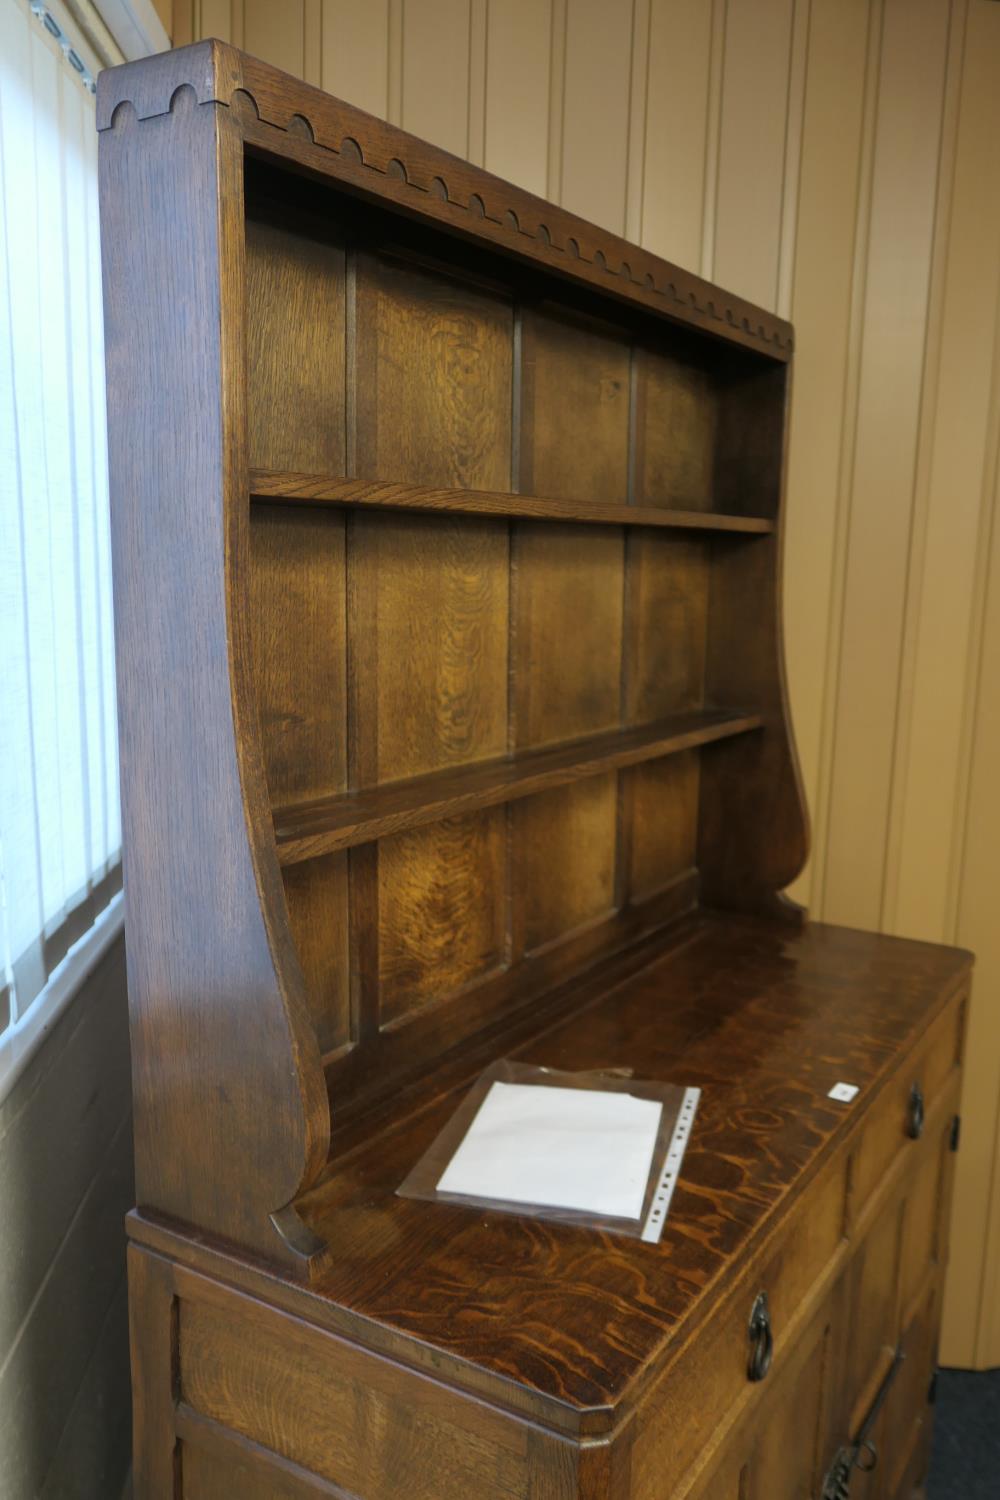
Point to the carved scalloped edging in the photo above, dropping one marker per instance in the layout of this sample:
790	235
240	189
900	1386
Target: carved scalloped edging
218	79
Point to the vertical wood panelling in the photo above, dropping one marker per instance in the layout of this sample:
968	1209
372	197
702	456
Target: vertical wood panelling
755	82
518	61
967	439
926	568
596	111
277	32
557	94
435	71
911	96
795	118
827	222
836	158
355	60
638	107
713	136
395	68
312	42
973	1292
680	60
478	28
958	429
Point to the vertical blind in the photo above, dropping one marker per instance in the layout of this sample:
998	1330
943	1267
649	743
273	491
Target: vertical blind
60	832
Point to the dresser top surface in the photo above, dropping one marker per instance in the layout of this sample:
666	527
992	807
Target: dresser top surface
765	1022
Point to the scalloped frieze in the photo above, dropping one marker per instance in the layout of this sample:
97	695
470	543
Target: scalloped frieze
316	122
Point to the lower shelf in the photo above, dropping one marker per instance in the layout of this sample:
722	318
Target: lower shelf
307	830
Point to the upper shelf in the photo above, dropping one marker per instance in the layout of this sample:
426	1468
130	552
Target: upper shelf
307	830
326	489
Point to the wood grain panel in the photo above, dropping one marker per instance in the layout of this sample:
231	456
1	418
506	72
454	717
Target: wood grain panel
442	909
578	376
875	1287
572	829
451	424
316	893
711	1375
378	1439
567	633
728	1480
450	427
667	627
675	423
908	1398
922	1221
750	440
217	1474
431	614
786	1459
297	610
295	350
663	806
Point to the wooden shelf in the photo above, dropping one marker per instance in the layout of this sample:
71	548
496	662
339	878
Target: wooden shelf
325	489
308	829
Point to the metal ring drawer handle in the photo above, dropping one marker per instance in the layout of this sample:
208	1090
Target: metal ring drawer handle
915	1127
761	1339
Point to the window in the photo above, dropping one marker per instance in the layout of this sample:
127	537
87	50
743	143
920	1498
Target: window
60	832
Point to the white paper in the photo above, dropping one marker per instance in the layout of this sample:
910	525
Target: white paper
582	1149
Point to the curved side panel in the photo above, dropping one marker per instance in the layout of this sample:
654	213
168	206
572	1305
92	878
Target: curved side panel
231	1118
754	826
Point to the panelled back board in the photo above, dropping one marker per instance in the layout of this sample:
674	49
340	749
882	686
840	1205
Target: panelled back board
447	541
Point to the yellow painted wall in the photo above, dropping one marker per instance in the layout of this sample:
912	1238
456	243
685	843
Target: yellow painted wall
838	160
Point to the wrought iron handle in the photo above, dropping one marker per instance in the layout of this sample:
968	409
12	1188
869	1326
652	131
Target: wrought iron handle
915	1128
761	1339
862	1454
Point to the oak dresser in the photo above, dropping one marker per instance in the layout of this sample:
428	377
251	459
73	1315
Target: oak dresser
447	541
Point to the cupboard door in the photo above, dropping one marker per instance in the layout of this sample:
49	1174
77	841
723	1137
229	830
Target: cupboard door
922	1222
728	1479
792	1441
908	1411
873	1326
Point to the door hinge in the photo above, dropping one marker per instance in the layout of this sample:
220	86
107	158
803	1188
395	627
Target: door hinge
956	1132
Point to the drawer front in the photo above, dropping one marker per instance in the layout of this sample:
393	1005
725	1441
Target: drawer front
684	1422
322	1411
890	1123
221	1475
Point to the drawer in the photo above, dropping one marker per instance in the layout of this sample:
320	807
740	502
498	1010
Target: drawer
682	1417
322	1416
887	1130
